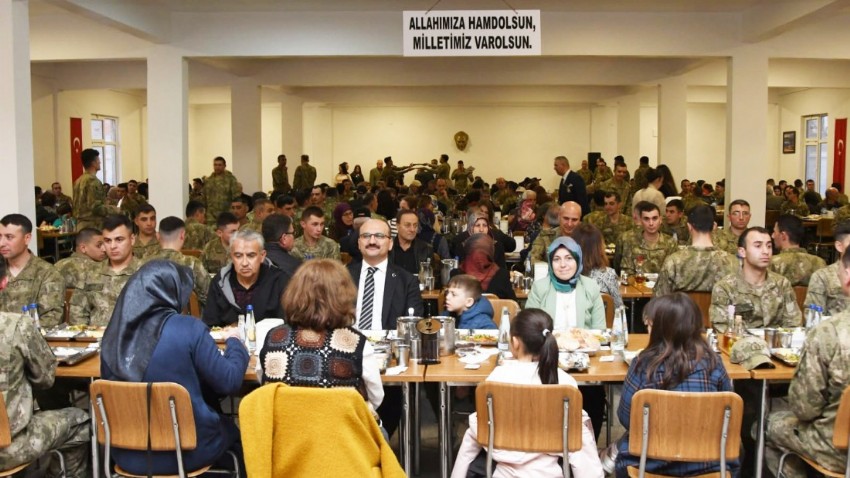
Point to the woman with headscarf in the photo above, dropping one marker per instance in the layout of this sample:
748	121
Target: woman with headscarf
343	221
149	340
571	299
478	262
478	222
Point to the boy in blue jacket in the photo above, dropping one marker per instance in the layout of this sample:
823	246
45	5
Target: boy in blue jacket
464	302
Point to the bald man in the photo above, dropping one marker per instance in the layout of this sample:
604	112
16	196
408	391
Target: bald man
569	216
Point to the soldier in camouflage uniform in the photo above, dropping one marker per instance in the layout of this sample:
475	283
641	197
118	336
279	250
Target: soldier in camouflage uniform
263	208
603	172
305	175
198	234
28	363
793	205
640	174
611	221
814	395
172	234
280	176
649	243
462	177
313	245
739	218
89	251
31	280
215	253
676	223
620	185
761	297
841	214
585	172
219	189
568	217
146	241
793	262
824	287
93	301
443	170
699	266
89	197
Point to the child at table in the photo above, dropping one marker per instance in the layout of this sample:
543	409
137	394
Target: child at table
464	302
536	353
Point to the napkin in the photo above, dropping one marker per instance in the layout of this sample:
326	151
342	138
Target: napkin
397	370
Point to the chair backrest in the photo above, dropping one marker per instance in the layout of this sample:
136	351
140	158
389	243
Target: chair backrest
345	258
841	432
513	309
770	218
191	252
5	429
194	305
703	301
69	292
825	228
800	291
529	417
685	426
126	408
608	302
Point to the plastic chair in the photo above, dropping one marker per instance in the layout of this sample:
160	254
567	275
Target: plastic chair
6	440
513	309
531	418
840	437
121	411
703	301
608	302
683	426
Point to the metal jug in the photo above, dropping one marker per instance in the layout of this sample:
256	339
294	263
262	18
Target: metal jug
446	273
429	331
406	327
447	334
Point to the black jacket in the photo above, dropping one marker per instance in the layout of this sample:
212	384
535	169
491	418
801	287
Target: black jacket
401	292
221	308
282	259
422	251
574	189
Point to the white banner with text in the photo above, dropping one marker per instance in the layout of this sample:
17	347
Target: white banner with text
472	33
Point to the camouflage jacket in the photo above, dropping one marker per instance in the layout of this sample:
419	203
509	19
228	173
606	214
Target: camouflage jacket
542	242
841	214
623	189
252	225
726	240
27	362
634	245
324	249
40	283
610	231
683	236
197	235
92	304
600	176
690	201
90	202
586	175
640	177
796	265
773	304
800	209
280	180
825	291
74	269
199	272
694	269
461	180
305	177
219	190
141	251
214	255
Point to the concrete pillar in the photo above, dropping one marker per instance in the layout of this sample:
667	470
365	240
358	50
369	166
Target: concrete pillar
292	134
246	123
628	129
318	141
672	125
16	140
746	130
168	126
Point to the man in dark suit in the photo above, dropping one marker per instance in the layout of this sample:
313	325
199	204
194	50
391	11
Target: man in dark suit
385	292
279	235
572	187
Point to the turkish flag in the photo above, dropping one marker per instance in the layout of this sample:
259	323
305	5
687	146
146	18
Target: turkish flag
840	153
76	148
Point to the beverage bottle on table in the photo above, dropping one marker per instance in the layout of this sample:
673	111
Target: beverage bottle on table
33	310
727	337
250	329
625	325
505	333
810	316
240	326
618	338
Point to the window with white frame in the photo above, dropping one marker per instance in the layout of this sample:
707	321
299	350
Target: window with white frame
815	136
104	138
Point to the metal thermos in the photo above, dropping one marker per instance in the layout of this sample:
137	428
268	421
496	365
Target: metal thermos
429	333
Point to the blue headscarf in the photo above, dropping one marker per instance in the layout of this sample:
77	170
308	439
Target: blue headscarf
570	245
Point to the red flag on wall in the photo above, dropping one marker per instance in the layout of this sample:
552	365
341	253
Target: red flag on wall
840	153
76	148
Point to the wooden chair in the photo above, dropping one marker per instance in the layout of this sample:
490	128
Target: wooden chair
703	301
6	440
345	258
608	301
194	305
800	291
770	217
531	418
66	317
513	309
125	419
825	238
840	438
683	426
191	252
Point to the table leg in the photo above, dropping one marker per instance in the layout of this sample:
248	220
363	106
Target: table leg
632	316
405	428
760	442
416	429
94	450
444	430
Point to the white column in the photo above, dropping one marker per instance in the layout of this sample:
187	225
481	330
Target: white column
746	130
318	141
168	125
292	123
672	125
628	129
246	121
16	149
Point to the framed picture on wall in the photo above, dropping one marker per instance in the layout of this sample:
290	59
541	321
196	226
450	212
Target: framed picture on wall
789	142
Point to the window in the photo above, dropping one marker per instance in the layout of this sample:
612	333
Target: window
104	138
816	129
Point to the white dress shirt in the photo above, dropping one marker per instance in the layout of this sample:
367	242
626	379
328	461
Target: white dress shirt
378	304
